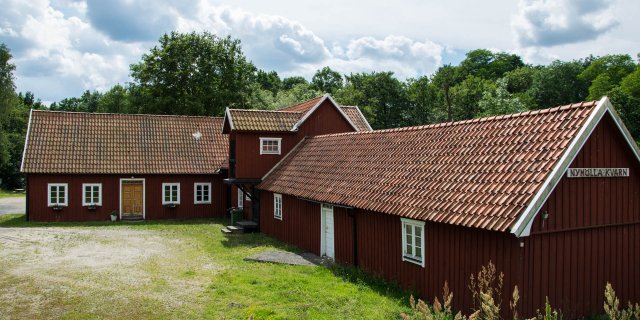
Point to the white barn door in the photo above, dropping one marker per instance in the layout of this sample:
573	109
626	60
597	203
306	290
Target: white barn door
326	240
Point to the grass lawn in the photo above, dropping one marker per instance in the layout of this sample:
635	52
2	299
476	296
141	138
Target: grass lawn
10	194
172	270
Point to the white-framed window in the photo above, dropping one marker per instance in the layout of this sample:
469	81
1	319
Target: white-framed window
270	145
201	192
240	199
277	206
171	193
58	194
413	241
92	194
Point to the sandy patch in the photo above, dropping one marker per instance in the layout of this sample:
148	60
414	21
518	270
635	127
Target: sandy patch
112	272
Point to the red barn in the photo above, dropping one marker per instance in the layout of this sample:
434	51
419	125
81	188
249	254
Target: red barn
552	197
83	166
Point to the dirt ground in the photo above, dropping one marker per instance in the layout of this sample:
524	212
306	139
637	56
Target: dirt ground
120	272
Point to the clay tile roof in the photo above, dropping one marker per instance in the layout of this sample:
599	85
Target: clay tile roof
75	142
262	120
302	107
356	117
285	119
479	173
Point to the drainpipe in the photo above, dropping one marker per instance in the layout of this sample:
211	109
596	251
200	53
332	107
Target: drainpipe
354	232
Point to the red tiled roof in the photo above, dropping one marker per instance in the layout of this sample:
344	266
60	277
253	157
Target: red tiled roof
286	118
478	173
302	107
74	142
263	120
356	117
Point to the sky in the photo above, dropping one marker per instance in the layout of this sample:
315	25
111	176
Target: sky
62	48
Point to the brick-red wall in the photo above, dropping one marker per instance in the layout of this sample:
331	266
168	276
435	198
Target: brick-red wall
39	211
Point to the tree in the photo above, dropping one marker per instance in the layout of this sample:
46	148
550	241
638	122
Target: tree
269	81
605	73
558	84
327	80
499	101
381	95
195	74
485	64
422	97
466	96
289	83
445	78
7	88
116	100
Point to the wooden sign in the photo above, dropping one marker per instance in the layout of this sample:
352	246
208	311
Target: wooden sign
597	172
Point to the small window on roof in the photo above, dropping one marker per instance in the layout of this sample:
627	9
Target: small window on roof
270	145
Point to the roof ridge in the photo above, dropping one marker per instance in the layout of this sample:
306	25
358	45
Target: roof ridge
584	104
260	110
126	114
297	104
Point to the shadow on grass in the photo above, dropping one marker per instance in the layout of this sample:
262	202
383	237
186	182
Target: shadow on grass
360	277
20	221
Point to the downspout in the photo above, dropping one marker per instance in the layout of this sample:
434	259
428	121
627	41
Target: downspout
354	232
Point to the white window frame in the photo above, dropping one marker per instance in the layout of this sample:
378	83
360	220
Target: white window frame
84	194
262	142
195	192
171	184
240	199
277	206
411	256
66	194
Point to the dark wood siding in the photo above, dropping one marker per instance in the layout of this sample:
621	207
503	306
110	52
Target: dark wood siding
300	224
39	211
592	234
251	164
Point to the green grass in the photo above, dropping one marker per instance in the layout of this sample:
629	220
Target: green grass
10	194
241	289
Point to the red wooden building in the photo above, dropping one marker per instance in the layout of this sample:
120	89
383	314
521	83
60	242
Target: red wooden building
552	197
84	166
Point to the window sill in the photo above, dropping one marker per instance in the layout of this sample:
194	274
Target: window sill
414	261
57	207
170	205
202	203
277	218
91	206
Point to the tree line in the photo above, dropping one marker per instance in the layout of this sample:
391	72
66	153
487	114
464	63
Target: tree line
202	74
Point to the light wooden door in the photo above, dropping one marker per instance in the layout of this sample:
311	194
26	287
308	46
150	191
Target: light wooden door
132	198
327	231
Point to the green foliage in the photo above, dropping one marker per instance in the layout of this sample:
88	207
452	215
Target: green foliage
88	102
289	83
612	306
327	80
485	64
500	101
116	100
381	94
269	81
422	97
605	73
195	74
466	96
558	84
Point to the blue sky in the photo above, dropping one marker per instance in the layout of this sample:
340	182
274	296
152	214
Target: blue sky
62	48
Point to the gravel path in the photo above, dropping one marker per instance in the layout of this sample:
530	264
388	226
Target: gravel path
283	257
12	205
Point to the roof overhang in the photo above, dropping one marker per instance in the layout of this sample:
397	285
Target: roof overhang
26	141
522	226
227	115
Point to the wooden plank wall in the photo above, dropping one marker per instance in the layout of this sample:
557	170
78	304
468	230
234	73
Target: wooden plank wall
39	211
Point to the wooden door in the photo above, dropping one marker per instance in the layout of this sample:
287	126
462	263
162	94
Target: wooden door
132	198
327	241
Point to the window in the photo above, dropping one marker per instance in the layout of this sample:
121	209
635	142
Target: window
240	199
270	145
201	192
58	194
277	206
92	194
413	241
170	193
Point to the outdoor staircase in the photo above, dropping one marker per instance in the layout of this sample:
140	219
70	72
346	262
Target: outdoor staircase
241	226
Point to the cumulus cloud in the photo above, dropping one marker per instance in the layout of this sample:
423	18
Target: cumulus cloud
62	48
547	23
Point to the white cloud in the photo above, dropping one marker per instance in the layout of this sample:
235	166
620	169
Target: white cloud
546	23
